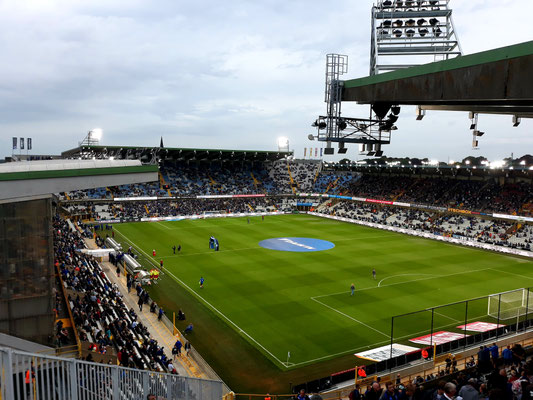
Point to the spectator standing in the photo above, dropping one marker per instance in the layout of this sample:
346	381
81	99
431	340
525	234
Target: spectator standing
507	355
140	303
374	393
355	394
468	391
390	392
449	391
301	395
494	352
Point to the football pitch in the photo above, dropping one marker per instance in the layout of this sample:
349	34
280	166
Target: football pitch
299	303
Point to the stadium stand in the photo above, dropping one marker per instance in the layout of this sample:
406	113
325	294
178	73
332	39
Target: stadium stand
490	231
100	315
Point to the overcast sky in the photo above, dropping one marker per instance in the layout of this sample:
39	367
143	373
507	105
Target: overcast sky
218	74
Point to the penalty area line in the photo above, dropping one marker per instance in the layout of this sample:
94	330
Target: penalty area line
395	276
208	304
347	316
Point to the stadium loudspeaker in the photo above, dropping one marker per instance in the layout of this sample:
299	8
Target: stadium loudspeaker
343	150
329	151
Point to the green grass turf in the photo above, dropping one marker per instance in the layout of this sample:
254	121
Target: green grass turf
299	302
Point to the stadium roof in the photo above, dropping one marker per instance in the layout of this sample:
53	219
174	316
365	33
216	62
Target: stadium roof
34	178
149	154
494	81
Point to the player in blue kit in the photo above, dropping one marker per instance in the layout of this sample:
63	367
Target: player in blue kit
202	282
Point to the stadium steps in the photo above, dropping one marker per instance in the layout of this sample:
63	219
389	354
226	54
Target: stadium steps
316	176
158	331
293	184
108	190
514	229
395	198
332	185
250	206
146	208
256	181
67	196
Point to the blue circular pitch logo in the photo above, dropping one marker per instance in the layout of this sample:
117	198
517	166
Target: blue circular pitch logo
297	244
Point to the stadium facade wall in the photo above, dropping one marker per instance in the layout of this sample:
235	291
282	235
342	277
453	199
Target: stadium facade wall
27	275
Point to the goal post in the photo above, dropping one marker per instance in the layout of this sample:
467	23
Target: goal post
511	304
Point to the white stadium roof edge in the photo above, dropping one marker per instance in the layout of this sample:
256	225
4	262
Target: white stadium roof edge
25	180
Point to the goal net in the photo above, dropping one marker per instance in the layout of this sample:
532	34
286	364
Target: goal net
512	304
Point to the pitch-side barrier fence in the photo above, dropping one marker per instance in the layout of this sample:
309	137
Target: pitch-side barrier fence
30	376
437	331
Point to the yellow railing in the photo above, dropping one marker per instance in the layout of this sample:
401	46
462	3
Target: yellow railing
291	179
65	297
332	184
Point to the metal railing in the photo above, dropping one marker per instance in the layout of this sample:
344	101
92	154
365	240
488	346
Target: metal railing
29	376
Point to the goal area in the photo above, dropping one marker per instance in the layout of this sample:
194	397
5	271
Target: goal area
511	304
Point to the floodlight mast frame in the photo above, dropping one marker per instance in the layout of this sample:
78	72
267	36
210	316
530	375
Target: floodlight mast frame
90	139
395	33
333	127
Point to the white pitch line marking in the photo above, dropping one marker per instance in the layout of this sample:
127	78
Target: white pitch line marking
347	316
329	356
163	225
206	302
213	252
394	276
445	316
512	273
402	283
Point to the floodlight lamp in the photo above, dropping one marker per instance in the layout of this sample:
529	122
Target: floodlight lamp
393	118
473	126
467	162
322	125
433	21
497	164
395	110
516	120
283	142
311	137
523	162
342	125
96	133
452	162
